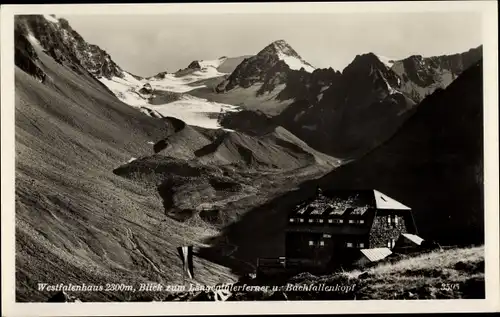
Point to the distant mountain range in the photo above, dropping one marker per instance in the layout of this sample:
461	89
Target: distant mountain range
344	114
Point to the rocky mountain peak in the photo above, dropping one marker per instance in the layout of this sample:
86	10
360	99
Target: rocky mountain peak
271	66
66	46
280	46
194	65
368	60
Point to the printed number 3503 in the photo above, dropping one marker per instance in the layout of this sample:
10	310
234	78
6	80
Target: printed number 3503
450	286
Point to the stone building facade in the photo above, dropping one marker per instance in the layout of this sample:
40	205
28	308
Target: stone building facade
331	228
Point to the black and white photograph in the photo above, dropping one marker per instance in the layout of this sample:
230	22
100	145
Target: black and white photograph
186	153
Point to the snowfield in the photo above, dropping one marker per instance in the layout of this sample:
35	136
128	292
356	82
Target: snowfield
126	89
194	111
295	63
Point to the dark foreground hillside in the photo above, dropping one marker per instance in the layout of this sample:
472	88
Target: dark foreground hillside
76	221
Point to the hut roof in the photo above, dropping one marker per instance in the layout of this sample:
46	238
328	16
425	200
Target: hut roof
413	238
376	254
337	203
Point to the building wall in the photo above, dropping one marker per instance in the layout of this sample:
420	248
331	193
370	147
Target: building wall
298	246
382	232
404	245
334	250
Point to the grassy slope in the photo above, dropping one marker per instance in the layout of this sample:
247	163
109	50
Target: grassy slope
77	222
451	274
455	273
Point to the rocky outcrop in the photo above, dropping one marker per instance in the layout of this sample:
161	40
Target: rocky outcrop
194	65
67	47
25	56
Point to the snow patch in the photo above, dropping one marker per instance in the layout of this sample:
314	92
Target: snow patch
295	63
125	90
50	18
387	61
310	127
33	40
212	63
320	96
132	159
151	142
391	90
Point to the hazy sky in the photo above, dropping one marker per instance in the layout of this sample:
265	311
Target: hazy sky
146	45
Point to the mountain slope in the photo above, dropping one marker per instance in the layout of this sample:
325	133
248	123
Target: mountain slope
199	171
77	222
433	163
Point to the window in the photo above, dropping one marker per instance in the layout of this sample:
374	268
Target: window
361	245
351	220
292	220
349	244
322	243
311	242
320	220
341	221
391	243
310	220
326	235
361	221
392	220
330	220
301	220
